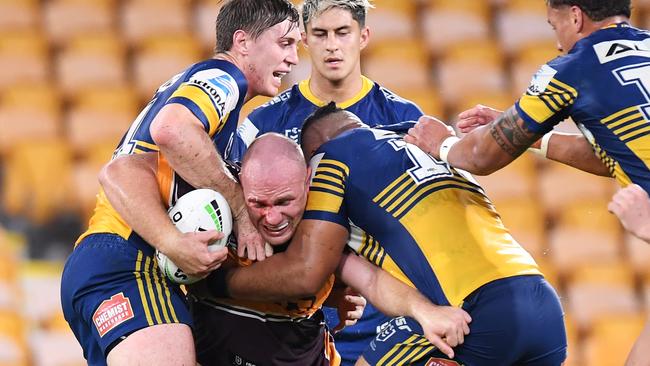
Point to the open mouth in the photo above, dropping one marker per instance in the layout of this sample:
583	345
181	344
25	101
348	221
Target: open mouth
333	61
278	75
276	230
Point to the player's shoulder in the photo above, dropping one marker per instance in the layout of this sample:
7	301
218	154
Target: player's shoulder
402	107
275	105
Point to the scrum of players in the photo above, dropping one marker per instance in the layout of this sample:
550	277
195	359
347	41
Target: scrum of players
369	208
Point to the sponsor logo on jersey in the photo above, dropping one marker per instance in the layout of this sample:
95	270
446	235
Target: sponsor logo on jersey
613	50
441	362
112	313
541	80
213	92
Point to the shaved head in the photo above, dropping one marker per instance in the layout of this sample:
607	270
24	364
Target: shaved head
275	181
324	124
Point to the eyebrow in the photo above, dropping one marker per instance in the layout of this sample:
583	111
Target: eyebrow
345	27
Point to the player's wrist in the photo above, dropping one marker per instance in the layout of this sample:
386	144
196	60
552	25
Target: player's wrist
542	150
445	147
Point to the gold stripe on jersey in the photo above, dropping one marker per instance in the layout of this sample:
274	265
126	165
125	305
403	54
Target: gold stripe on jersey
541	107
168	296
372	250
161	300
419	348
333	180
339	168
323	201
147	145
143	296
305	90
382	195
637	133
327	186
396	353
152	298
203	101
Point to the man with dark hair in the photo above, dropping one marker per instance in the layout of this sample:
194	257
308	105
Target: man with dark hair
432	227
117	302
335	33
602	83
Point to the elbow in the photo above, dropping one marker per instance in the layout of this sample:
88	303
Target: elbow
309	284
164	133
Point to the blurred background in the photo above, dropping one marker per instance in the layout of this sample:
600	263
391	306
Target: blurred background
75	73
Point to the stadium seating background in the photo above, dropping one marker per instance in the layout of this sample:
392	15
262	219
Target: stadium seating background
74	74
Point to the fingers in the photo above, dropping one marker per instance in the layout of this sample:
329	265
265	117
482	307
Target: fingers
268	249
441	345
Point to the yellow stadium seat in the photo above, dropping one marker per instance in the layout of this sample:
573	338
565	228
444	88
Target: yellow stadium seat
205	14
100	116
13	339
427	98
91	62
589	214
527	61
516	181
64	19
595	290
143	19
84	176
37	183
160	58
385	59
556	193
446	22
28	112
24	58
392	20
611	339
570	247
475	66
495	99
521	22
574	342
18	15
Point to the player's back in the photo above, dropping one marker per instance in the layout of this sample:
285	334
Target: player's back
603	84
432	225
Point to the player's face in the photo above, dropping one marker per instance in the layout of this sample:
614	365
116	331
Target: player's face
275	205
335	41
562	20
270	57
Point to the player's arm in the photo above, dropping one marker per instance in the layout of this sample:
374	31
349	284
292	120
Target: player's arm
183	141
482	151
571	149
129	182
300	271
394	298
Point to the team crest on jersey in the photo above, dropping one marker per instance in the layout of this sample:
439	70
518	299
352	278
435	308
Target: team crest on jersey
441	362
541	80
112	313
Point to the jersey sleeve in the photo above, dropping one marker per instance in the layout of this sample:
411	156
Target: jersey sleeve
210	95
326	200
242	139
548	99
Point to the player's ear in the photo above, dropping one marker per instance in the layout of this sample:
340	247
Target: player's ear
303	36
365	37
308	178
240	42
577	18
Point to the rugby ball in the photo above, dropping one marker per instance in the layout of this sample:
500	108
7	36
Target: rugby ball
197	210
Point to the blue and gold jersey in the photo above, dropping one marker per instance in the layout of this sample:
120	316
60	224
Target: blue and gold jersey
429	225
214	91
285	113
603	84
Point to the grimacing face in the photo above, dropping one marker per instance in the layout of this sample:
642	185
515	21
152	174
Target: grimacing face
271	57
335	41
276	204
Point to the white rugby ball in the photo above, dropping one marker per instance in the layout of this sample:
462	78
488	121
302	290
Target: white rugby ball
197	210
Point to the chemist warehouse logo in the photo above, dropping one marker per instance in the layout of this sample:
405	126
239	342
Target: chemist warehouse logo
112	313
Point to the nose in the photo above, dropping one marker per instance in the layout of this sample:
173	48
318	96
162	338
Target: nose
293	59
331	44
272	216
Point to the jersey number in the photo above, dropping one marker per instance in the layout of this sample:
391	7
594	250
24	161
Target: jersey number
425	167
638	74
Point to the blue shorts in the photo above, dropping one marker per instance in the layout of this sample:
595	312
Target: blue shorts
112	287
515	321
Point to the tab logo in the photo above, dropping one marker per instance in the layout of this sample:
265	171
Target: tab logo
112	313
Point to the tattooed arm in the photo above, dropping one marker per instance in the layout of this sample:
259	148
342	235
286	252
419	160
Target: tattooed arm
482	151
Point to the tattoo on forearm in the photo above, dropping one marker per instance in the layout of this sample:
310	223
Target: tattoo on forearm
509	135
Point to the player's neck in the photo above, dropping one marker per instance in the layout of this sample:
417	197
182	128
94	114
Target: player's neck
338	91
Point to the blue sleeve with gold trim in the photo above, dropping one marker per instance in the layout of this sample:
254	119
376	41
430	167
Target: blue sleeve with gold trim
327	190
548	99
